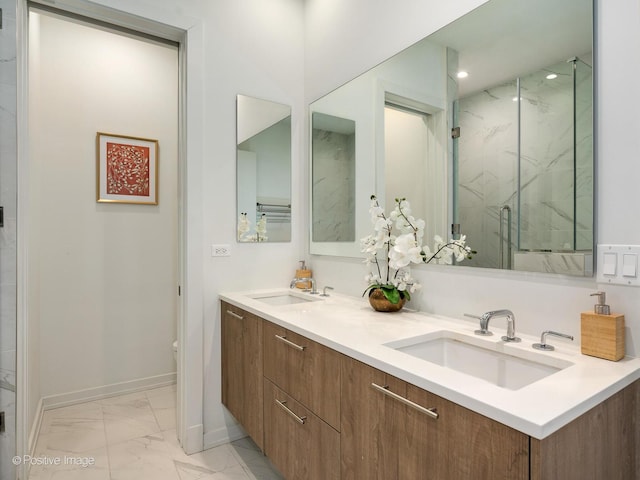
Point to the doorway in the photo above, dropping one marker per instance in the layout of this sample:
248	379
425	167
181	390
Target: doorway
414	158
103	276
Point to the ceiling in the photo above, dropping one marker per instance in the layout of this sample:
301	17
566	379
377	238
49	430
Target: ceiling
504	38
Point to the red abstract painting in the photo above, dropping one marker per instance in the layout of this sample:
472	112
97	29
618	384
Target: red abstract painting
127	169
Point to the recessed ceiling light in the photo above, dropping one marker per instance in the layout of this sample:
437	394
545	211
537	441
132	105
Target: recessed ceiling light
463	74
551	76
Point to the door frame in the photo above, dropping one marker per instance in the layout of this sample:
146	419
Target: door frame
188	33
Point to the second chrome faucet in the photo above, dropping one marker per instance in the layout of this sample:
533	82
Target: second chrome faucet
484	324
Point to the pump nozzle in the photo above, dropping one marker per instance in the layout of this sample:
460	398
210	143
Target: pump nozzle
601	307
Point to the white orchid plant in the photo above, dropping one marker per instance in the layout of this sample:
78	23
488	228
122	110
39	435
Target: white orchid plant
244	229
401	250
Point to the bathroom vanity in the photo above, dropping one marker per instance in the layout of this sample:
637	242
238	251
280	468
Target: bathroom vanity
330	389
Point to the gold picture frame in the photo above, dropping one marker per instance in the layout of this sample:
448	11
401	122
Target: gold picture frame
126	169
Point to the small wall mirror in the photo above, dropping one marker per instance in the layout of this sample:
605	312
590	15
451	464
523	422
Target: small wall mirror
263	166
503	155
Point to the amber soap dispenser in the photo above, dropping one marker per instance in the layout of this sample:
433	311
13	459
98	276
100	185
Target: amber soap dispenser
602	332
301	273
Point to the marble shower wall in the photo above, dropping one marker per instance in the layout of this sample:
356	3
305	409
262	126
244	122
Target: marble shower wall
8	189
547	160
488	164
333	186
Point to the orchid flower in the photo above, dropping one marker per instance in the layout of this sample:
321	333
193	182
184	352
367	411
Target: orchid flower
403	249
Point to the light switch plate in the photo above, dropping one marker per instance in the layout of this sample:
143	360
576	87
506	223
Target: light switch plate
618	264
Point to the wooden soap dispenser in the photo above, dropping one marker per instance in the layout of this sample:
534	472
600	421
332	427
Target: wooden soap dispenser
602	332
303	272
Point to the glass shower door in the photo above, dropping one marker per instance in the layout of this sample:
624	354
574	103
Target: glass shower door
486	173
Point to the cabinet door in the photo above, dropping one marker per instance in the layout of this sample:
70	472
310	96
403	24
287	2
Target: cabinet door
297	442
370	425
603	443
242	369
459	444
391	434
232	363
306	370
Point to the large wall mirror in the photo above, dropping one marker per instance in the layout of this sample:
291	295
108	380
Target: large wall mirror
263	166
486	126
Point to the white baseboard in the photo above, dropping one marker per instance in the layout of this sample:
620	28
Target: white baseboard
35	429
193	441
96	393
226	434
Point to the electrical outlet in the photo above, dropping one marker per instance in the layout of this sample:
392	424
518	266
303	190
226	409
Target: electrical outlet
220	251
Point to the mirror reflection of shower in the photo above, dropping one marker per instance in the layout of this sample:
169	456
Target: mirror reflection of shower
524	170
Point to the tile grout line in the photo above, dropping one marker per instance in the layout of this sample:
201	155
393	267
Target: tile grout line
106	440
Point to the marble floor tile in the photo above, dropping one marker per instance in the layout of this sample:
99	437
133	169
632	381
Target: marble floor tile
163	404
208	462
232	473
133	437
253	461
68	416
72	430
142	458
128	417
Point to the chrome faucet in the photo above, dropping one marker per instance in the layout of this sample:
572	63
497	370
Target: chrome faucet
297	280
511	324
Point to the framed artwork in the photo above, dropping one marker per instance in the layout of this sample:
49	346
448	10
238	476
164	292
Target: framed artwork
127	169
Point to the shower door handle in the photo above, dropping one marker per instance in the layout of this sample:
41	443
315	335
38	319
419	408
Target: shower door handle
503	209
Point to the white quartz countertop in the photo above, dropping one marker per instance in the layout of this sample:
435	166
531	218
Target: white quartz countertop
350	326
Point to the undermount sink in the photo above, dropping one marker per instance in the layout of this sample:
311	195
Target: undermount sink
279	298
457	352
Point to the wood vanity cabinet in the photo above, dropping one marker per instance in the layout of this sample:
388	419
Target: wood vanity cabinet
242	369
384	437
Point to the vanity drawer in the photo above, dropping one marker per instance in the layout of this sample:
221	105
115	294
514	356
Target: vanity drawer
307	371
299	444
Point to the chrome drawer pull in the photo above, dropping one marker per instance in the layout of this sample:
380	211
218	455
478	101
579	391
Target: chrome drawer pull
427	411
234	314
283	405
290	343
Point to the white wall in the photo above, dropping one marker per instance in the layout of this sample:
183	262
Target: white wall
254	48
104	276
539	301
